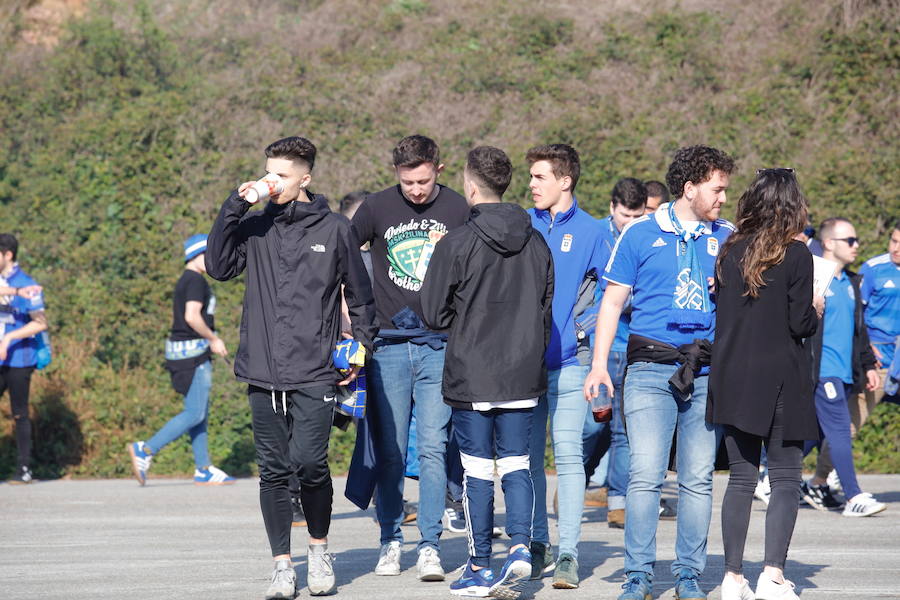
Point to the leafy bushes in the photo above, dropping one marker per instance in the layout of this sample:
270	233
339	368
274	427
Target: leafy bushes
123	139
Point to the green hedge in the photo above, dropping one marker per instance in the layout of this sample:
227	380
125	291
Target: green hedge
124	137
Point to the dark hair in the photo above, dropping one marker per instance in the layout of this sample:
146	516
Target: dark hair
563	159
657	189
630	193
696	164
9	243
415	150
897	225
769	214
351	201
490	167
296	148
826	228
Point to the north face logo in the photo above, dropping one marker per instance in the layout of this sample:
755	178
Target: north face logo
317	248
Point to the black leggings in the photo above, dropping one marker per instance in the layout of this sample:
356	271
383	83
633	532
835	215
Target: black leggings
18	381
298	438
785	459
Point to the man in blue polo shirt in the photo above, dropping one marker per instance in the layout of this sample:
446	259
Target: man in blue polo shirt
844	365
880	291
666	261
576	245
22	319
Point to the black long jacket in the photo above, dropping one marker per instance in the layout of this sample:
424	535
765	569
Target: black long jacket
491	283
297	256
758	353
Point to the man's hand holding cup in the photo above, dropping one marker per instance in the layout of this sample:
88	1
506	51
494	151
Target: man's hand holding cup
270	186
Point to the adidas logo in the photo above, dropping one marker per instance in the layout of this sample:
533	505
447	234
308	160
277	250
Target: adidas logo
889	284
659	243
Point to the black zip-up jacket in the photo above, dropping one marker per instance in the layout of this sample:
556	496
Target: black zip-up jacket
863	358
491	283
297	256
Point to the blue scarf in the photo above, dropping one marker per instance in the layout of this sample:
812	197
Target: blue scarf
691	307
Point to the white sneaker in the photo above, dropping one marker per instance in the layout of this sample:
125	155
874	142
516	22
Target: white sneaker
732	590
389	559
834	482
429	565
763	490
766	589
284	581
863	505
320	574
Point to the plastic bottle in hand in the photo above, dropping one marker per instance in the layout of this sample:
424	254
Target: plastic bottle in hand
601	406
265	188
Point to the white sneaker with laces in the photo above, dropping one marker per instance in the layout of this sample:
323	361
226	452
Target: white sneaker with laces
320	574
284	581
863	505
389	559
766	589
834	482
732	590
429	565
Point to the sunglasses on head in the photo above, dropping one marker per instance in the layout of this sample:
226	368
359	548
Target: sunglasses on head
784	169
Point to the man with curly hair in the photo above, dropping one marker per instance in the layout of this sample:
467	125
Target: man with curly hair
666	260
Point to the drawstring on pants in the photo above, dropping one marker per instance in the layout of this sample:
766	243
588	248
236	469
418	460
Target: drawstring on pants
283	402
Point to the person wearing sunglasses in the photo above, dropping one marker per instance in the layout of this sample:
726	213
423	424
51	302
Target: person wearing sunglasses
843	366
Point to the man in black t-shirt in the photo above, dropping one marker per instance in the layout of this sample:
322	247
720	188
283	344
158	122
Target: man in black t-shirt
403	223
191	343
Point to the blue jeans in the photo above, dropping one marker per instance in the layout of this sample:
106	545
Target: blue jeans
481	436
400	374
655	410
192	420
619	453
568	410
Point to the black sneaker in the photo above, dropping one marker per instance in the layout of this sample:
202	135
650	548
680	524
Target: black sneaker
23	476
819	497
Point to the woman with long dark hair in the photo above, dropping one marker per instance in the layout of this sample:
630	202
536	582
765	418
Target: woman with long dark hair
760	384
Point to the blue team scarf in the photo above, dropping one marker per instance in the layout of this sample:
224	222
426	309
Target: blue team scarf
691	307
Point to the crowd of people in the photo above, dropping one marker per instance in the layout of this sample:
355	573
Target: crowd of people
486	325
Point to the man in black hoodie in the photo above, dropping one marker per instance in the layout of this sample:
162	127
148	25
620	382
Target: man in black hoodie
490	283
297	255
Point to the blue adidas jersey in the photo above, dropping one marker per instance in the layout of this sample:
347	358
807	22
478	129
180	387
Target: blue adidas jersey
645	259
880	292
610	235
576	246
837	332
14	314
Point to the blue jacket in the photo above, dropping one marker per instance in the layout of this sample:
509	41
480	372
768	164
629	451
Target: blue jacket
576	243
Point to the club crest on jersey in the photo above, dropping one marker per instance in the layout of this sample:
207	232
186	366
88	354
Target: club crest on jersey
712	246
566	242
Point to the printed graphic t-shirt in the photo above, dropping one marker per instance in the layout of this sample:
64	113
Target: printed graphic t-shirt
192	286
403	236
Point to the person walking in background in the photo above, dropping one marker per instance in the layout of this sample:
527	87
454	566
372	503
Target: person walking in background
843	365
657	194
403	223
491	284
665	261
574	238
298	255
628	202
764	310
22	316
189	349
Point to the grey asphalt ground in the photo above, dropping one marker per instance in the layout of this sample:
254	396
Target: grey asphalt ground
79	540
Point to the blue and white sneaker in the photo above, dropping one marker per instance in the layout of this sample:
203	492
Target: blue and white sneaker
475	584
212	476
512	577
140	461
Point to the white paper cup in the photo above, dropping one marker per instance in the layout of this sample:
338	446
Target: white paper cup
265	188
